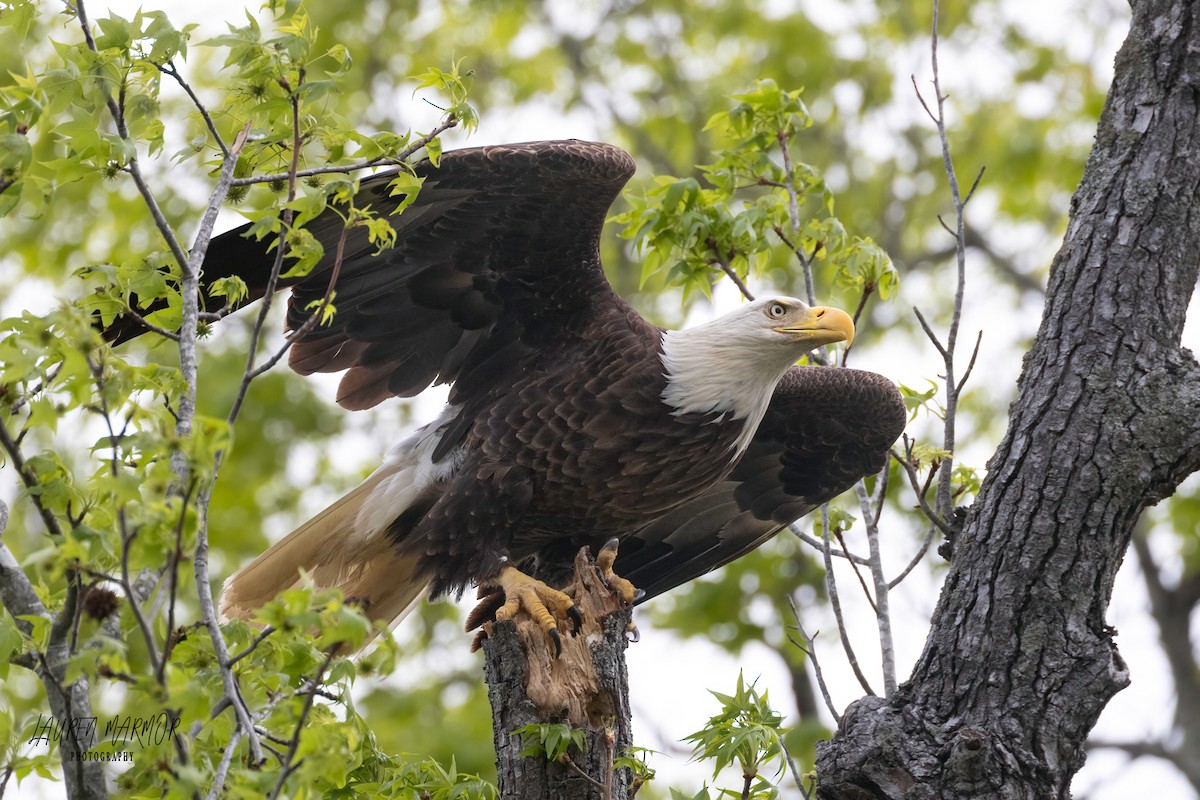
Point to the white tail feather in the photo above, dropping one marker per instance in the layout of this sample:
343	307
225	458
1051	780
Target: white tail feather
335	552
346	545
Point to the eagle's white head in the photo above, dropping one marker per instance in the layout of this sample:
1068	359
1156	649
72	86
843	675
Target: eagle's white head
730	366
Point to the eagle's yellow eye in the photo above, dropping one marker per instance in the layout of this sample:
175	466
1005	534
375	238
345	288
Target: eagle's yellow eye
776	310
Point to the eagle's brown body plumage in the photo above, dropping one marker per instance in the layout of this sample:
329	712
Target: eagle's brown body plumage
558	432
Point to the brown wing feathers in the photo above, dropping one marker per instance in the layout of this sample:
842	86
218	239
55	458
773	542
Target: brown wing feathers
825	428
498	256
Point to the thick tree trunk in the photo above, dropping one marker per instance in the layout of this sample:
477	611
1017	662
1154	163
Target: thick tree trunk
1020	662
586	686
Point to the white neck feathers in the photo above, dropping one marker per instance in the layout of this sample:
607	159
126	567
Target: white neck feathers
710	371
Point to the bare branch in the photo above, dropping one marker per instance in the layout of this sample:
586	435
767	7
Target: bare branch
1137	749
921	551
170	69
289	763
924	105
816	545
720	259
944	501
448	122
970	364
835	602
883	617
218	783
974	185
929	332
187	358
915	481
250	648
809	649
578	770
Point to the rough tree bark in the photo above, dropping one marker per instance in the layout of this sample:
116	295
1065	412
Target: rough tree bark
1020	662
70	703
586	686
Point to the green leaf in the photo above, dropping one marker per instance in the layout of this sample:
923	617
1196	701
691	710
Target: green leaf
550	741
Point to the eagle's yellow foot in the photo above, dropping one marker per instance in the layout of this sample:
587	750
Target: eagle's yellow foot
604	563
542	603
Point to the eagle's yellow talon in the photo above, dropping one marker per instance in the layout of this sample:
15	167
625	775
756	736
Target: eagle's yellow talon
542	603
604	562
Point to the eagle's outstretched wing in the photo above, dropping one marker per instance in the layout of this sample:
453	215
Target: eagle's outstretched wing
824	429
498	254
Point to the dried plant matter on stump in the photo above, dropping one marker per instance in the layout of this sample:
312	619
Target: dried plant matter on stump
1020	661
587	687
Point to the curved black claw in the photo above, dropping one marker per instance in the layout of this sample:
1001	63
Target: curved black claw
557	639
576	619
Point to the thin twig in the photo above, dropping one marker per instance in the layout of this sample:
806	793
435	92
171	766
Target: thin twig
857	574
929	332
567	760
218	783
96	366
289	764
974	185
883	616
448	122
970	364
173	579
170	69
917	559
920	97
944	500
722	261
816	545
134	169
809	649
127	539
13	449
304	328
250	648
131	312
793	768
915	481
285	220
835	602
867	291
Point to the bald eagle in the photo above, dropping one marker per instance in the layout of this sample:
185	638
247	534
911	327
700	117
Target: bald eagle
571	420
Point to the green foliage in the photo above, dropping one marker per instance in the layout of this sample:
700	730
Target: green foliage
922	400
640	771
550	741
120	467
756	198
747	733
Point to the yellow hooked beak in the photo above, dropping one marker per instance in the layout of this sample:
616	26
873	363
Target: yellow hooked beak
822	326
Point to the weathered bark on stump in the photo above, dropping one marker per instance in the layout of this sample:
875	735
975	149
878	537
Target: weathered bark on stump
587	686
1020	662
